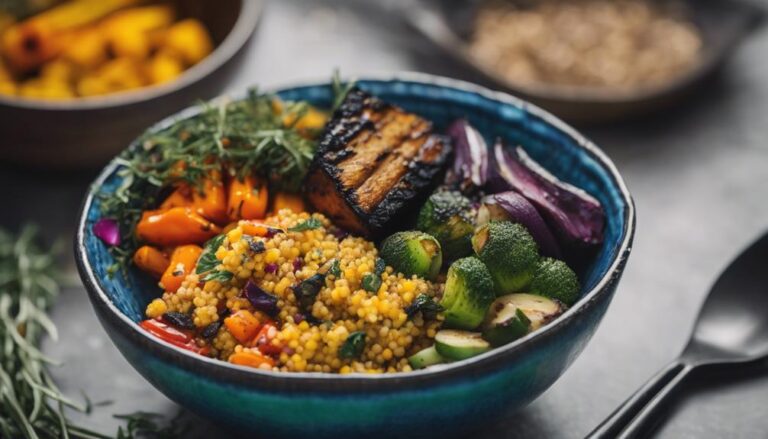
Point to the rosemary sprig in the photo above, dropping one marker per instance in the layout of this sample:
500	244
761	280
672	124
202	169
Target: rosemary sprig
340	89
31	405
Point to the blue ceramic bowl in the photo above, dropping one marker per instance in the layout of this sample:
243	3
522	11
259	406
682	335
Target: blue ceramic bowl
442	402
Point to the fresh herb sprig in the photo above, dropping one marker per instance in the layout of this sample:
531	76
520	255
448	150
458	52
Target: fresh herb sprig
310	224
31	405
340	89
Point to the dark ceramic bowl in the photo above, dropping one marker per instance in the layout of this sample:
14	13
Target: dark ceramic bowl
442	402
87	132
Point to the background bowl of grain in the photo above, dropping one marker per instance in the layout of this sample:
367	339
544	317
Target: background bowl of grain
86	132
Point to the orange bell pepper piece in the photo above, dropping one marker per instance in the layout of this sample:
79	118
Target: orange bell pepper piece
284	200
151	260
183	261
176	226
247	198
251	359
243	325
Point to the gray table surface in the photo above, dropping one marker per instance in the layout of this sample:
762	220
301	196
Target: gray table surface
699	175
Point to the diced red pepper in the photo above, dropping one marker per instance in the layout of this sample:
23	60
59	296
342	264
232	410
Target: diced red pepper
263	340
176	337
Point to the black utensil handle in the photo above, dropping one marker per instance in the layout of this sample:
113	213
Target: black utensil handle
635	412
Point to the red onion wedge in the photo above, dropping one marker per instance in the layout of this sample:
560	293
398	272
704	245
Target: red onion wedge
470	166
576	217
108	231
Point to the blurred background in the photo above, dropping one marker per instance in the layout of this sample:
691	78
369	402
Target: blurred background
673	91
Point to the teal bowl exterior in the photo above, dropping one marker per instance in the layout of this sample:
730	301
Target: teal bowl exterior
447	401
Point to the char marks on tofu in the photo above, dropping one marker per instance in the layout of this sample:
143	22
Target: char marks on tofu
373	161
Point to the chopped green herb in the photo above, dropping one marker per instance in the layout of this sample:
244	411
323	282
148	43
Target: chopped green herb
310	224
335	268
372	281
208	261
424	304
221	276
353	346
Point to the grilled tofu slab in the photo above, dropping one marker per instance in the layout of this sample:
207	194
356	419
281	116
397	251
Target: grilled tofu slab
374	161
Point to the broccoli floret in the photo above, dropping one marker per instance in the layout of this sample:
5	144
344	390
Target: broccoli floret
448	216
509	252
556	280
468	293
412	253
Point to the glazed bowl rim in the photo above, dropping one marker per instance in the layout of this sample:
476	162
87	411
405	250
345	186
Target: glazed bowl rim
253	377
248	17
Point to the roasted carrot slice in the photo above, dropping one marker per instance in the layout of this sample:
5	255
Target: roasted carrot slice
284	200
151	260
176	226
183	261
210	201
257	229
247	198
251	359
243	325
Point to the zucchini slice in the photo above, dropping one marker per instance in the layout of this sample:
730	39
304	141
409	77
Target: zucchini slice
425	358
459	345
505	324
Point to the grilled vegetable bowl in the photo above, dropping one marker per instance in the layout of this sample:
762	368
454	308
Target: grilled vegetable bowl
320	309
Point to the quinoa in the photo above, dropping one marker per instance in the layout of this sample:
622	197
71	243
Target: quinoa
308	340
